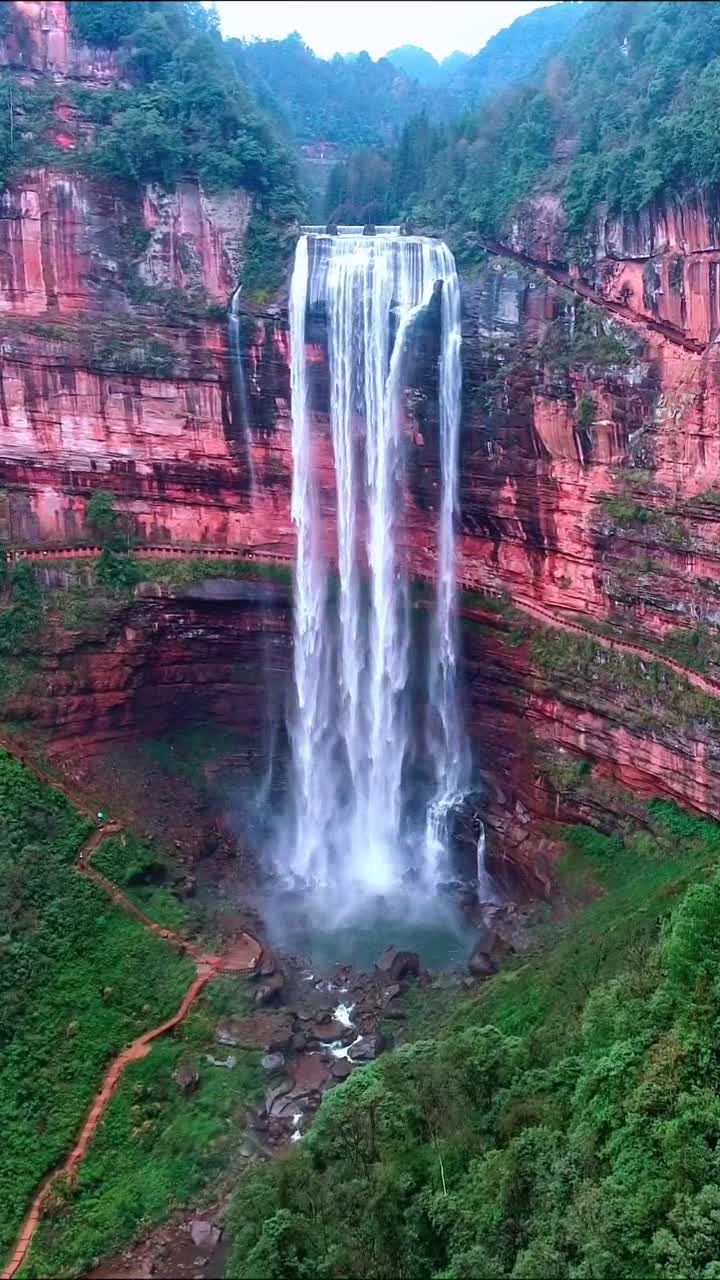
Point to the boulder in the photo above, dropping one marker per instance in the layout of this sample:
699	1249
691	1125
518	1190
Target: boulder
272	1062
367	1048
270	989
341	1068
481	963
186	1078
329	1032
205	1235
396	964
228	1032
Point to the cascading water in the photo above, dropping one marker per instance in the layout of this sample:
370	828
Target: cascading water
352	732
237	381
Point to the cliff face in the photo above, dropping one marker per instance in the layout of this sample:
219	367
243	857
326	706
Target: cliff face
590	467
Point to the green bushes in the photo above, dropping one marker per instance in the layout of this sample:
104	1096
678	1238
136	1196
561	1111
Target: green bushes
145	876
156	1149
564	1122
78	981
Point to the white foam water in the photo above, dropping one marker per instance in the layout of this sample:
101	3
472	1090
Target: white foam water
352	732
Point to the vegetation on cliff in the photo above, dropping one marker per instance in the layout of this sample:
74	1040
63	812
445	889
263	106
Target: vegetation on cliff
624	112
562	1123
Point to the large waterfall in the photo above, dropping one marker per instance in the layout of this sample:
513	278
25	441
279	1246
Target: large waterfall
373	779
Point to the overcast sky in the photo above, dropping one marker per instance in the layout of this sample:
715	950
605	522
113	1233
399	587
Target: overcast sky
348	26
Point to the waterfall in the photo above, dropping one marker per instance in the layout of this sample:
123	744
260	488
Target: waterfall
241	409
352	733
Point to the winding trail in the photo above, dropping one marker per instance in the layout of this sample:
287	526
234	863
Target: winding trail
546	616
243	957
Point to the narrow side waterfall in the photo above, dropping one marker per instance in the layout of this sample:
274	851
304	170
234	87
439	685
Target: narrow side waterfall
360	821
238	385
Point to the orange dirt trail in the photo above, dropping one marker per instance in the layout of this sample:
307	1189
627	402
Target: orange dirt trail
243	957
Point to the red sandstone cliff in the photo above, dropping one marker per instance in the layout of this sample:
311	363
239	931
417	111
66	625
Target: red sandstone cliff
590	470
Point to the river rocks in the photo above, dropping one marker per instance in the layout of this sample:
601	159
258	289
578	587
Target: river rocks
367	1048
228	1032
396	964
272	1063
270	989
330	1032
265	1030
205	1235
341	1068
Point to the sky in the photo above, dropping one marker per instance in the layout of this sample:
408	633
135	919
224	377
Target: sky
348	26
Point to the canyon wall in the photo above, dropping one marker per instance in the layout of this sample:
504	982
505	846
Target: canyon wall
590	467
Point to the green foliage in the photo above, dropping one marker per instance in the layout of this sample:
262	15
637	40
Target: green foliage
349	102
145	876
626	116
156	1150
586	413
21	619
188	113
106	24
626	512
118	572
102	516
647	692
78	981
585	336
563	1122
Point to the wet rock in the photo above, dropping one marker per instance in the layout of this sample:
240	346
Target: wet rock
228	1032
367	1048
186	1078
396	964
273	1094
329	1032
272	1062
341	1068
271	989
280	1040
481	963
268	964
298	1042
266	1029
205	1235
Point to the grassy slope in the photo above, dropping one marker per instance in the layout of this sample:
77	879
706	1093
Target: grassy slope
78	981
157	1147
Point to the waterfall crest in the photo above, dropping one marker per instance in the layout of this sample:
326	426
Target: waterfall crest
353	731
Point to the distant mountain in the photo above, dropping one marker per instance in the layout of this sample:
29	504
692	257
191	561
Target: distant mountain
350	101
417	63
514	54
454	62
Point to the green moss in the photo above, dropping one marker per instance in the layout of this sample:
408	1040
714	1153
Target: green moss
597	676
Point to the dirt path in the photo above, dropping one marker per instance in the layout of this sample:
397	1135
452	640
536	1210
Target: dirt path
243	957
548	618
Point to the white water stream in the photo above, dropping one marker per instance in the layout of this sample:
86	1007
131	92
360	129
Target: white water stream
353	734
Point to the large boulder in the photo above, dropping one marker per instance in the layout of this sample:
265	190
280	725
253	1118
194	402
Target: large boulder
367	1048
396	965
205	1235
482	962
